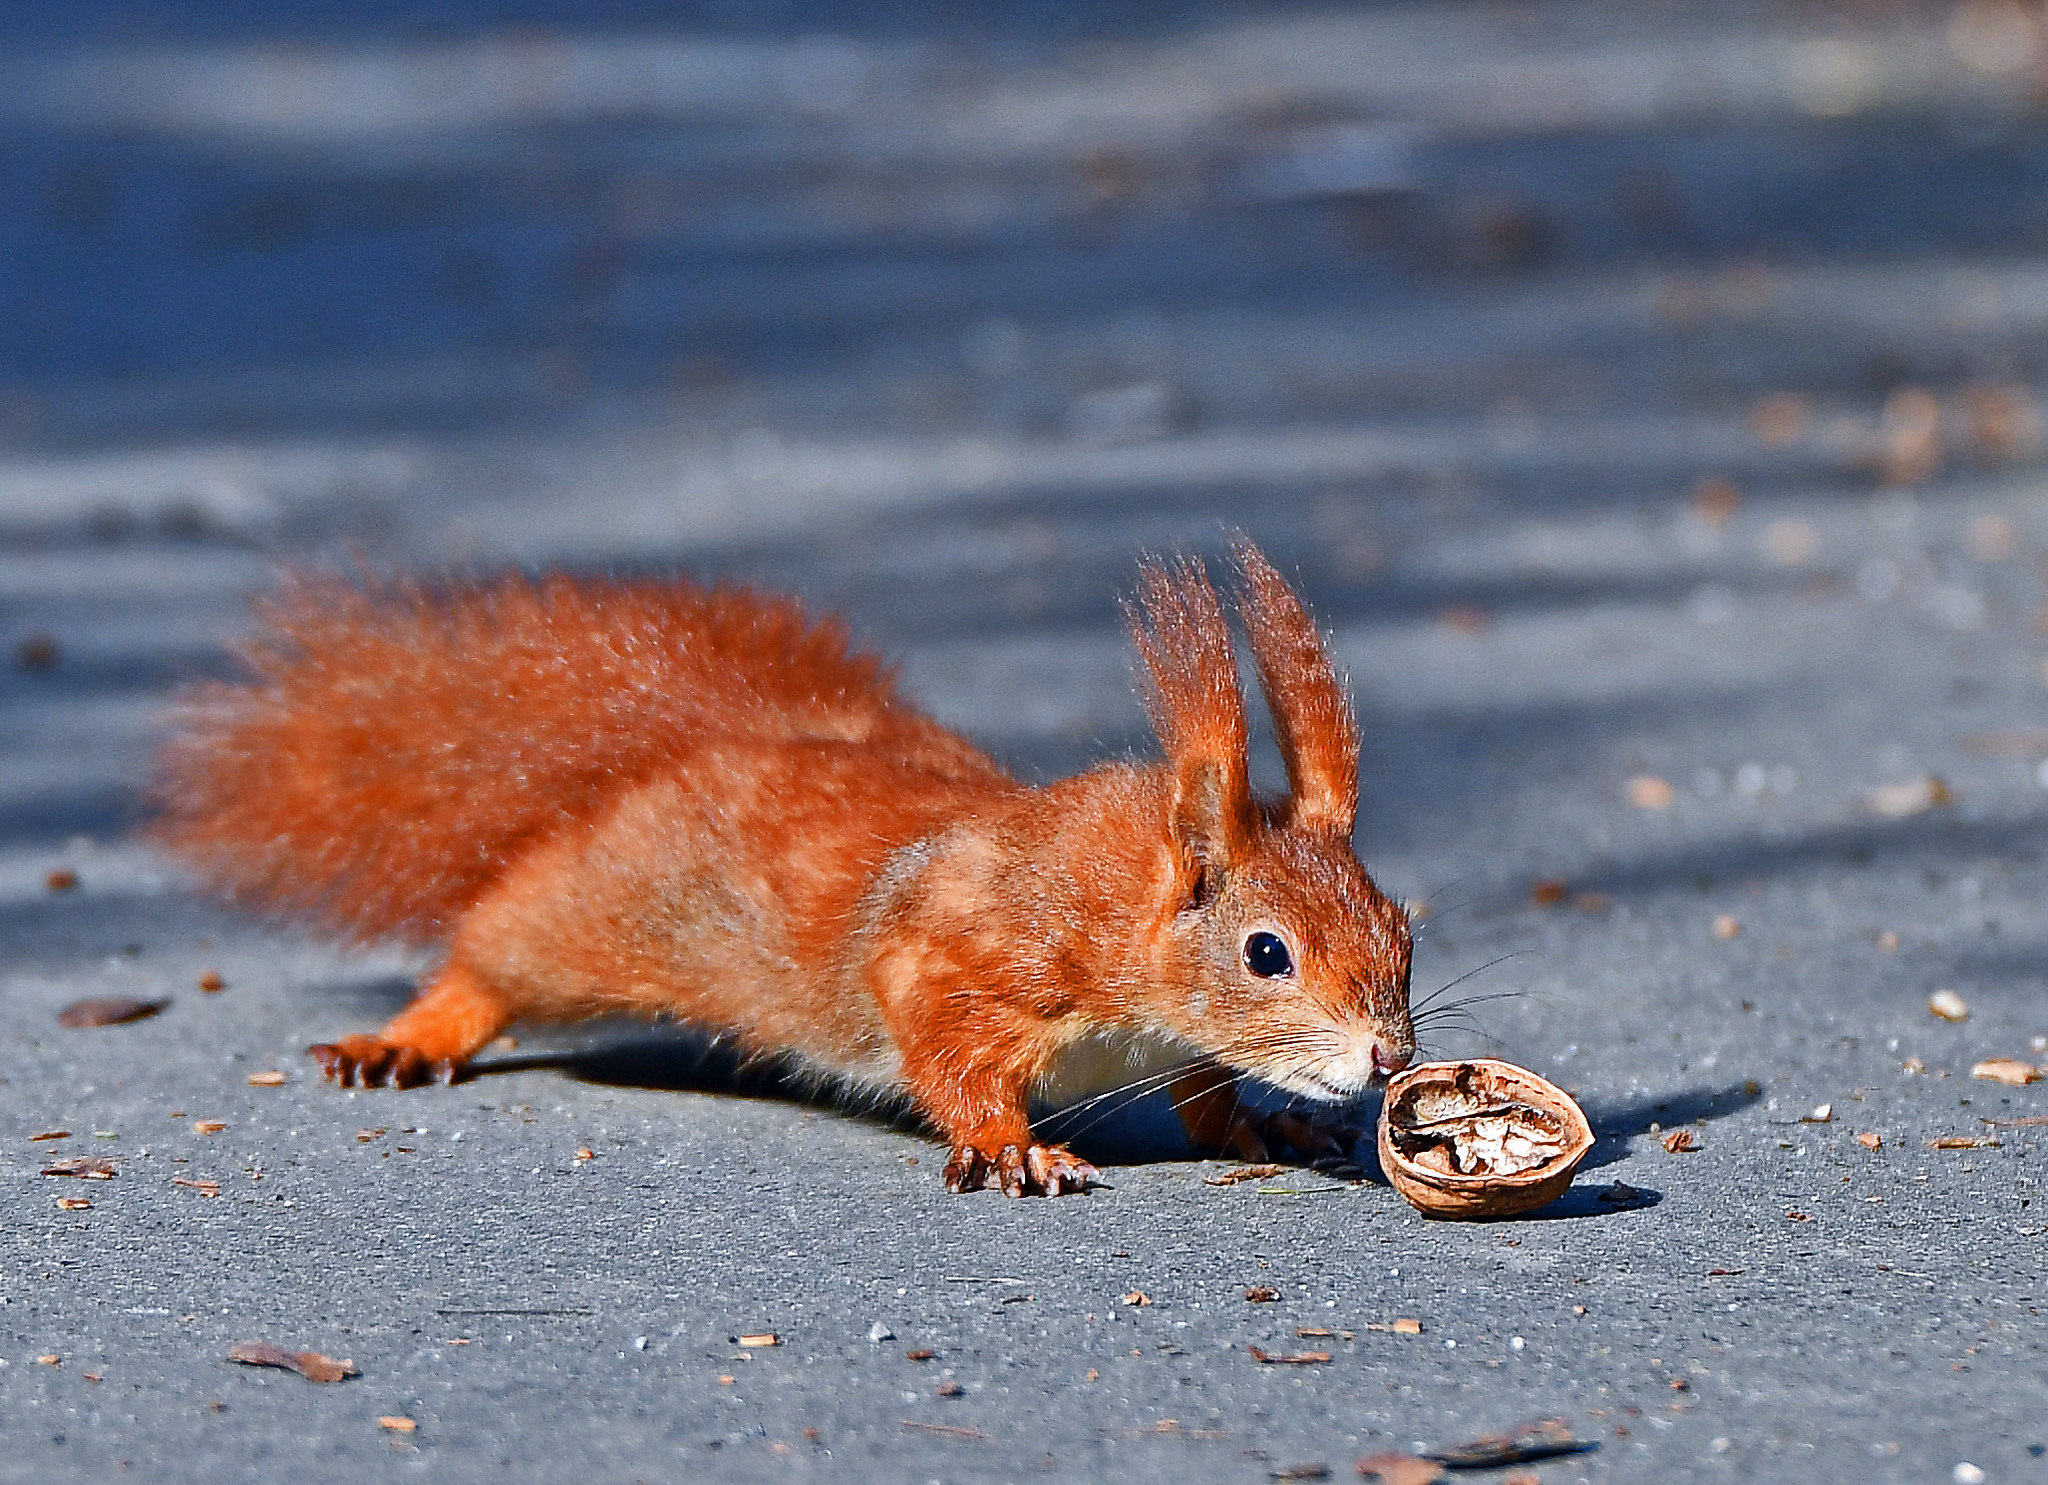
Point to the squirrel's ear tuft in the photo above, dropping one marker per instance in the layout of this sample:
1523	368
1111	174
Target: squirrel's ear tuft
1313	720
1197	709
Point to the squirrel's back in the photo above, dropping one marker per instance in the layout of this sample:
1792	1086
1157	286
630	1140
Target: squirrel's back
397	747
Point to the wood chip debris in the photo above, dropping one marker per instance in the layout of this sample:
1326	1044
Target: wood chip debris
1305	1358
50	1134
63	879
1546	1438
107	1010
212	983
1309	1471
1823	1113
204	1188
73	1204
1909	797
1727	925
1870	1139
1946	1005
2008	1070
309	1364
1397	1327
1648	792
1680	1142
207	1126
758	1338
397	1423
951	1389
1137	1297
919	1353
1965	1142
951	1430
1400	1469
271	1079
1261	1294
83	1167
1242	1173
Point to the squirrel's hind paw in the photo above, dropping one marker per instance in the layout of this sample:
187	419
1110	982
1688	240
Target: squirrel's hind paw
372	1062
1036	1170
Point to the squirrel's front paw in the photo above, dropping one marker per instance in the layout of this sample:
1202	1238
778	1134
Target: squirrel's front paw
371	1062
1034	1170
1312	1132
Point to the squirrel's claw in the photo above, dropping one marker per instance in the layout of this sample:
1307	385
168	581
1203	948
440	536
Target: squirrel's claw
1036	1170
371	1062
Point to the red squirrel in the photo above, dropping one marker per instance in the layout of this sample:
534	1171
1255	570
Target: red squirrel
670	801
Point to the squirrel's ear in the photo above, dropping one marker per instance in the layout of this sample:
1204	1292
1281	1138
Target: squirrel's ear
1197	709
1313	720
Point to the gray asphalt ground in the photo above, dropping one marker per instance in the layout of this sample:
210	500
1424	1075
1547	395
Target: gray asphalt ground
1648	397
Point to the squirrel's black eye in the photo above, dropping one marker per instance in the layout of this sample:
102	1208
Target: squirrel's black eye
1265	955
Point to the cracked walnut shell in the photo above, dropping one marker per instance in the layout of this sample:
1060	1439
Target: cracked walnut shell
1480	1139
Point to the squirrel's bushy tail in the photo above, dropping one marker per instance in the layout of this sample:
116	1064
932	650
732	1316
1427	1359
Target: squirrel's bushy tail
396	747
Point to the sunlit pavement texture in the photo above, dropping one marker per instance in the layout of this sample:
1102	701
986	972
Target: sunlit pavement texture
1647	397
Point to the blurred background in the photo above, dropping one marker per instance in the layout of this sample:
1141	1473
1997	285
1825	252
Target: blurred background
1642	391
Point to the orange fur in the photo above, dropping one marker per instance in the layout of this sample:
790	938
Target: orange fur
670	801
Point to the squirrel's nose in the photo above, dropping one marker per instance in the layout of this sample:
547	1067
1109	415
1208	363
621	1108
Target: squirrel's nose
1385	1063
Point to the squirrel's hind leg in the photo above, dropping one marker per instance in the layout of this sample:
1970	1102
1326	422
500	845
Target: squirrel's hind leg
428	1041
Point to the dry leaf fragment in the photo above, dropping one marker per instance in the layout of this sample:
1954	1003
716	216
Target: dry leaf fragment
586	1153
1400	1469
1715	500
1912	797
397	1423
84	1167
309	1364
760	1338
204	1188
107	1010
212	983
1137	1297
1948	1006
1797	1216
1680	1142
1964	1142
1306	1358
73	1204
272	1079
2008	1070
1543	1439
50	1134
1870	1139
1242	1173
1780	418
208	1126
1648	792
1260	1294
